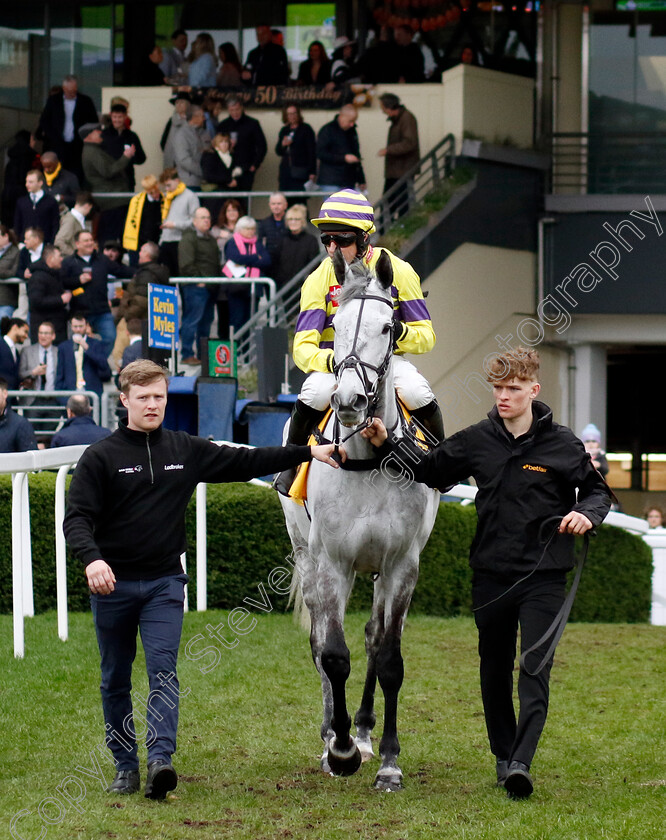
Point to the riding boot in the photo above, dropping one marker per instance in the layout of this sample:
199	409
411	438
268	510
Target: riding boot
430	417
303	420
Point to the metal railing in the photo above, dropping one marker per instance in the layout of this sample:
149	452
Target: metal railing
19	465
608	163
46	418
245	197
424	177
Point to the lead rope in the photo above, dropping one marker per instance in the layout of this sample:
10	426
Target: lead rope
559	622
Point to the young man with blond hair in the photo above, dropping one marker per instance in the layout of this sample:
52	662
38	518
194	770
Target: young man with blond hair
528	469
125	521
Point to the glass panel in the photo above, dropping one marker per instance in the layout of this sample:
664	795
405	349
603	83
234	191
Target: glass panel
21	46
308	22
627	113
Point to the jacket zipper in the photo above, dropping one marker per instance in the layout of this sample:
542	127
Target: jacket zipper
150	460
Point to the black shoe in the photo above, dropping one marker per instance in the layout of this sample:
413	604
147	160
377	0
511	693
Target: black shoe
125	782
518	783
502	767
284	480
160	780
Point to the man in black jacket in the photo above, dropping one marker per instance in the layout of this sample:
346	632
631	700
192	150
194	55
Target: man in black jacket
248	142
126	522
267	63
87	274
117	137
36	209
528	469
59	123
339	154
47	297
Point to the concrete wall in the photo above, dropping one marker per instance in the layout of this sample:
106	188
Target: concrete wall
487	103
478	293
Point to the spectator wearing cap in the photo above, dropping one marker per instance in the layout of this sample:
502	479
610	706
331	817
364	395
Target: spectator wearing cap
174	63
117	138
343	68
189	144
16	434
104	173
64	114
402	149
247	141
182	102
79	428
267	63
339	154
591	437
73	221
58	182
37	208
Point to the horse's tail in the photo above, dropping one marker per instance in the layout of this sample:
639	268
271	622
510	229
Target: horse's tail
301	613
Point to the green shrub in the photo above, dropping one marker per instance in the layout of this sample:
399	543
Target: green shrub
247	540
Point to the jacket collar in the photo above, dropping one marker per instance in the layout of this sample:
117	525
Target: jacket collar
542	421
138	438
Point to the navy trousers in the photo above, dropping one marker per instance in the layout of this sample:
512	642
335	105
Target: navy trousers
155	609
532	605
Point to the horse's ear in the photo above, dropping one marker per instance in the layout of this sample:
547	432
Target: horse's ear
339	266
384	270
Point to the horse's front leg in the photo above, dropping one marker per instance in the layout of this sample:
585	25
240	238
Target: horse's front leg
344	757
365	716
391	672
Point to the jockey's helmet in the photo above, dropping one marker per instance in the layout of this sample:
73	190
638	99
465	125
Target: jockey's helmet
346	210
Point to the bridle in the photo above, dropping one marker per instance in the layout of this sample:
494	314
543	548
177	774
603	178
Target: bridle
352	361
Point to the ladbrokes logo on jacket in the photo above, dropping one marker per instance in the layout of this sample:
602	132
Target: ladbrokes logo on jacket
174	467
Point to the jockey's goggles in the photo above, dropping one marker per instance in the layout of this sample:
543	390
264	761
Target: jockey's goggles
343	240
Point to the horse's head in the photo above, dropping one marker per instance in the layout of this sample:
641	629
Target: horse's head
364	328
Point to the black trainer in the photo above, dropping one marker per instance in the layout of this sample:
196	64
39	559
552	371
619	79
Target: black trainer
125	782
518	783
160	780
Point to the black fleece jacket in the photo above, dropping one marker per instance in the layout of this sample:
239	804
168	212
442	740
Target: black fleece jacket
128	496
521	483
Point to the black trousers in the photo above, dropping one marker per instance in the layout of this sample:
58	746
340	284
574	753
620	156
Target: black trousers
532	606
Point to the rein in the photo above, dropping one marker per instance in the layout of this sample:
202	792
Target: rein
559	622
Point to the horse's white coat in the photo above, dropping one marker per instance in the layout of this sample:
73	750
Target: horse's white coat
369	521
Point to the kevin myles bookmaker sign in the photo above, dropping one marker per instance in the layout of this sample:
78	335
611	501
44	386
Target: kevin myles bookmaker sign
162	316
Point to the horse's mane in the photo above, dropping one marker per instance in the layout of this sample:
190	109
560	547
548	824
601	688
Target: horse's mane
357	280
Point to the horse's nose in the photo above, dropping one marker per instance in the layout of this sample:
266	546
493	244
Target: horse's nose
335	401
359	403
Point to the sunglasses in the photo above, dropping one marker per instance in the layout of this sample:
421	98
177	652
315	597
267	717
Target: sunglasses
341	239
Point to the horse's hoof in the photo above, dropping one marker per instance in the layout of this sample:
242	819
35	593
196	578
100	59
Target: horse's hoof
344	763
389	781
325	766
365	748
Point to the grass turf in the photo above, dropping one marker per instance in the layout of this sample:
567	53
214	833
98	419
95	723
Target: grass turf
249	741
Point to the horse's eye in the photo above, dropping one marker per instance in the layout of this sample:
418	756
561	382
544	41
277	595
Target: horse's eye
386	329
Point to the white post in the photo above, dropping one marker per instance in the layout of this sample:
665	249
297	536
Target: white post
26	551
17	564
61	552
183	563
201	548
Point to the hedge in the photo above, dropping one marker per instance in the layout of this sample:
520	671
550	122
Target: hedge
247	539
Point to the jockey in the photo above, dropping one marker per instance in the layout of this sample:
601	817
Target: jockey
346	220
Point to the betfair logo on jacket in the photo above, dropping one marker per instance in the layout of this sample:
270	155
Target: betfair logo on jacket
130	470
534	468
